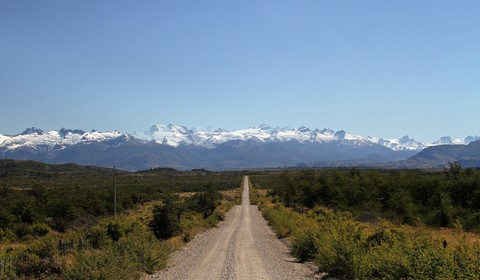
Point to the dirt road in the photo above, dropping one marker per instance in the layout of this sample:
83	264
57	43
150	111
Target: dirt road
242	247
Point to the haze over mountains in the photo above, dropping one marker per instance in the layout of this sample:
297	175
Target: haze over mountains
257	147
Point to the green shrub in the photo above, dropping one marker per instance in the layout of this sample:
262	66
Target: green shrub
467	260
305	245
40	229
6	218
136	251
205	202
345	249
280	219
99	237
40	261
23	230
166	218
7	235
215	218
339	249
188	222
114	231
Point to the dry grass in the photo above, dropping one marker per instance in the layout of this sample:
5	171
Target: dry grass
142	213
451	236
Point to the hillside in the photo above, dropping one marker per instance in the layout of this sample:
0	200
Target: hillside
440	156
16	167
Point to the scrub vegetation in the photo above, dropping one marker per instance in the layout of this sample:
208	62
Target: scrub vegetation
370	224
57	222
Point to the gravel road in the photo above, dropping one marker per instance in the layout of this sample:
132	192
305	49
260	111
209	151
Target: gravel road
242	247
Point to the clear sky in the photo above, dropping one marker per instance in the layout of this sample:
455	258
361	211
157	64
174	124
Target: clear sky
379	68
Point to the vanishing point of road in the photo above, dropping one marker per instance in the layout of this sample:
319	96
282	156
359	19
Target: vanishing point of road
242	247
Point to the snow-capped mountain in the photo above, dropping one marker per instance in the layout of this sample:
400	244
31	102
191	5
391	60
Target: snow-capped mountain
447	140
37	139
403	144
175	135
187	148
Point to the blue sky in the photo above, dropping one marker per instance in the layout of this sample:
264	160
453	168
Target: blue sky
379	68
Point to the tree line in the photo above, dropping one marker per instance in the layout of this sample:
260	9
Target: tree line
445	198
32	204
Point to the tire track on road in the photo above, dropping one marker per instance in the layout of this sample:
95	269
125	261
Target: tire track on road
242	247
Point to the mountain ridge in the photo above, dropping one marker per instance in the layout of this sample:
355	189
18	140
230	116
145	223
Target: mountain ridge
175	135
211	148
437	156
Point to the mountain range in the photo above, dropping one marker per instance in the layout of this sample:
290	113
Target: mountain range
217	149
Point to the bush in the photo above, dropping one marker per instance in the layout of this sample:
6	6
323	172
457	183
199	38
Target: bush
124	256
7	235
40	261
345	249
467	260
23	230
205	202
114	231
304	245
215	218
280	219
166	219
339	249
99	237
6	218
189	221
40	229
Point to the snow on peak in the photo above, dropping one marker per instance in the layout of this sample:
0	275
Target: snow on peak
175	135
402	144
32	130
35	138
447	140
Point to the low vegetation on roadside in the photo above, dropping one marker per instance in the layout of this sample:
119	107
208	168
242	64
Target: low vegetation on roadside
346	245
93	244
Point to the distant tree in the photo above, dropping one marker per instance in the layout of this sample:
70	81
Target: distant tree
6	218
454	170
166	218
4	190
446	210
205	202
402	206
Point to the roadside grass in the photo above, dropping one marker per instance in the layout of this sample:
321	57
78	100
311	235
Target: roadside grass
151	254
347	249
122	248
48	211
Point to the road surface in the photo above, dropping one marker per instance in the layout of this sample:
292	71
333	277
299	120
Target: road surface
242	247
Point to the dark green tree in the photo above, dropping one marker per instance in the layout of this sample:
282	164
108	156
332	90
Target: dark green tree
454	170
166	218
205	202
6	218
446	212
